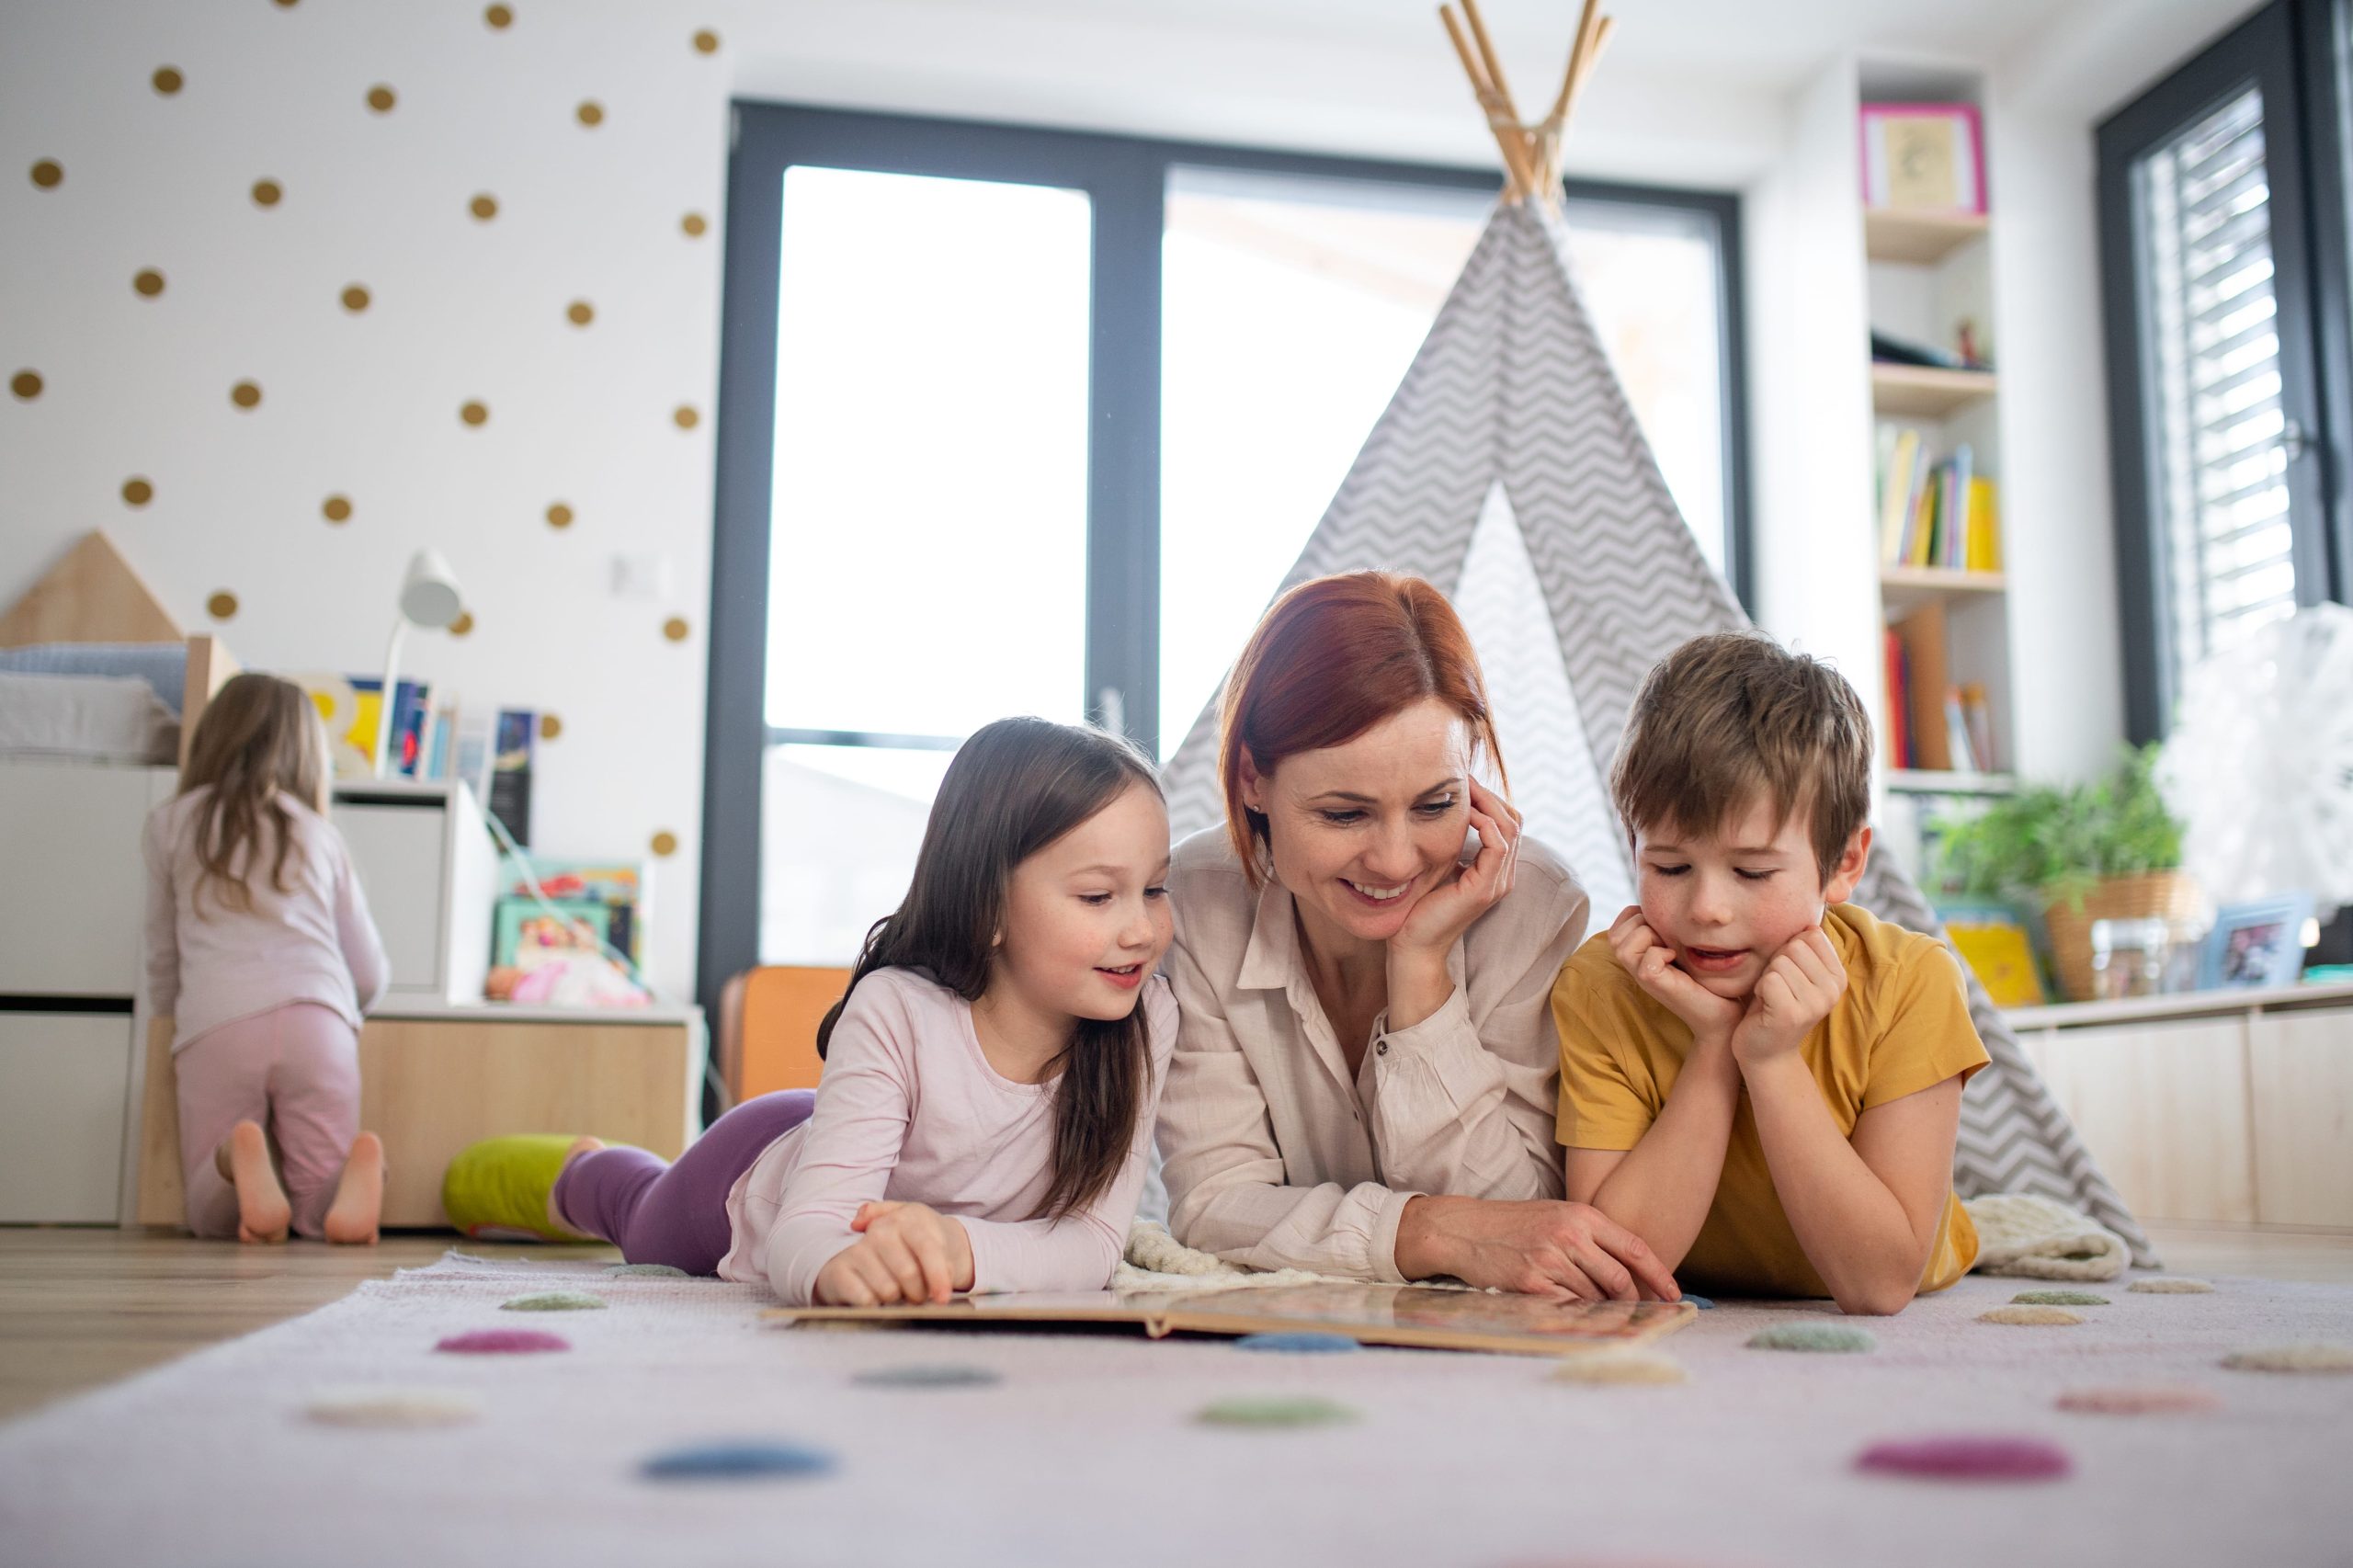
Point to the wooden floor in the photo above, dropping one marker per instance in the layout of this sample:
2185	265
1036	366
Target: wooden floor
79	1308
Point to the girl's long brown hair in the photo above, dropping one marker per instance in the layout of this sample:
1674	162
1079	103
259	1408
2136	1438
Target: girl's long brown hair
259	738
1016	787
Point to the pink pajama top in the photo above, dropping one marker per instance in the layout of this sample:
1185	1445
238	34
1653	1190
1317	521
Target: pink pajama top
911	1111
210	963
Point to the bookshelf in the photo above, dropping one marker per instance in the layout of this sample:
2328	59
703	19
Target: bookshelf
1948	735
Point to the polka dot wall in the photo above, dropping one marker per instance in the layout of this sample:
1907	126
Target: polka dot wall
293	290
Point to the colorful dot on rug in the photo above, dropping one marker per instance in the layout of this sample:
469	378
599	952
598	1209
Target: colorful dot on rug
1281	1411
927	1376
2058	1299
392	1407
1701	1303
2169	1286
743	1460
1299	1344
2311	1356
2030	1317
554	1301
1968	1459
2156	1399
1835	1337
648	1270
1619	1366
502	1341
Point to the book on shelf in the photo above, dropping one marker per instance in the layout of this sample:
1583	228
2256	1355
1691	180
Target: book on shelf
1934	512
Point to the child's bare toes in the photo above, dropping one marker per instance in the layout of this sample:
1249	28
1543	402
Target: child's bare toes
359	1196
263	1212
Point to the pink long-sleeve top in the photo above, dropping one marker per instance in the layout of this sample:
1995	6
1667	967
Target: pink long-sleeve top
911	1111
210	963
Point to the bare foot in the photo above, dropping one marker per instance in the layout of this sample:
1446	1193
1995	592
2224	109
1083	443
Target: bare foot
263	1212
555	1216
359	1196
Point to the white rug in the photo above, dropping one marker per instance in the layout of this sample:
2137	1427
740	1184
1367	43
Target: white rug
1088	1452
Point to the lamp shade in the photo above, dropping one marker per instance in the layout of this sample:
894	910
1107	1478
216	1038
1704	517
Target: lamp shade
429	595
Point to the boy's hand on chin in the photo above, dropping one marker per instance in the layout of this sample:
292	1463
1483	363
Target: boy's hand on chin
1652	963
1797	991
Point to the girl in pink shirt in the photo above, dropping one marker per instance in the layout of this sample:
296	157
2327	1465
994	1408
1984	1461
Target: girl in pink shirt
260	950
991	1073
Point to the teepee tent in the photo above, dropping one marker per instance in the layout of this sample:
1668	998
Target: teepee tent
1510	471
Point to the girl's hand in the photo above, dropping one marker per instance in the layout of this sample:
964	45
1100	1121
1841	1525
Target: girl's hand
908	1252
1797	989
1652	963
1447	910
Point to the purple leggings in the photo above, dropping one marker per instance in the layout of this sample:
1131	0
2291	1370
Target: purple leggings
676	1214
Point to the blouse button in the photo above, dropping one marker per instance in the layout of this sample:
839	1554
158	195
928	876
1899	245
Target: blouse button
1382	1050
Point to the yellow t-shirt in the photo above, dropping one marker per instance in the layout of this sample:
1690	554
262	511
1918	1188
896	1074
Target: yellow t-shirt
1903	1026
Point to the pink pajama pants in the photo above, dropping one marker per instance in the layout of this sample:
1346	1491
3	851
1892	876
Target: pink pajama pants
296	1070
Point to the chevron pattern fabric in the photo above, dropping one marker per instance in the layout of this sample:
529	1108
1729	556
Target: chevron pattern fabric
1511	419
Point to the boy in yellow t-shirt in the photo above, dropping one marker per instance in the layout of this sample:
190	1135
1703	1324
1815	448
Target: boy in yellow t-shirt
1758	1079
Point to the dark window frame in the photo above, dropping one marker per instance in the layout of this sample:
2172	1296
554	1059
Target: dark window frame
1125	179
2291	49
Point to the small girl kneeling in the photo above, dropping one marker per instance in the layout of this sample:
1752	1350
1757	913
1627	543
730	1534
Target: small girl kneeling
991	1072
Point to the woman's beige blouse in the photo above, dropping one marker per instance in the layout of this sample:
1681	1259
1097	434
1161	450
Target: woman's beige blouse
1274	1157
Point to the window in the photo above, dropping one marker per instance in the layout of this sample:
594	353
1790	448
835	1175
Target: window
2217	341
1016	420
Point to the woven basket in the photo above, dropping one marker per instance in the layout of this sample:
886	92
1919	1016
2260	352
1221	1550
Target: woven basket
2172	895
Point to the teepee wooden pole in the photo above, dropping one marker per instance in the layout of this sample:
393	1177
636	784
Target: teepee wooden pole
1592	57
1510	139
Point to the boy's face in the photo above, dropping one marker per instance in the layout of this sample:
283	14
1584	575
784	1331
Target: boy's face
1726	902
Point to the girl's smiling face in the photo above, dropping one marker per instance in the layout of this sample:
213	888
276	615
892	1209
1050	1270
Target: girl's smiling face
1087	919
1727	901
1360	831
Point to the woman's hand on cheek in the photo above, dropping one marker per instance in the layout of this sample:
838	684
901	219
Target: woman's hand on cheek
1652	963
1448	910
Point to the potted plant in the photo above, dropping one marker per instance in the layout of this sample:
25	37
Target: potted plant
2108	849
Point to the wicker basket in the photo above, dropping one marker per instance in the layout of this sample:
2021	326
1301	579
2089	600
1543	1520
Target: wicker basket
2172	895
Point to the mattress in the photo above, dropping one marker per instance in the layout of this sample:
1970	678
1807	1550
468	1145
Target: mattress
85	719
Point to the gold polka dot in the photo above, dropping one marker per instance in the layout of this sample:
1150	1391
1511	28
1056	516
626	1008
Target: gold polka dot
559	516
245	394
463	624
475	414
381	98
674	628
694	224
550	726
355	299
287	5
591	112
685	417
25	384
707	42
665	844
49	173
266	192
336	508
484	207
499	16
221	605
149	283
581	312
168	81
137	493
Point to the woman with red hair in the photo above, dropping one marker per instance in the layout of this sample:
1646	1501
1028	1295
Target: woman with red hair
1367	1072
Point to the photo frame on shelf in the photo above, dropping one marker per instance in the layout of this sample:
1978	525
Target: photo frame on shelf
1923	158
2255	944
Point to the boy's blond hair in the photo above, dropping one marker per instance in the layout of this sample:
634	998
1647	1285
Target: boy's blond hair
1733	717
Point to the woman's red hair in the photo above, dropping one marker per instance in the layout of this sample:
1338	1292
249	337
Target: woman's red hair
1332	658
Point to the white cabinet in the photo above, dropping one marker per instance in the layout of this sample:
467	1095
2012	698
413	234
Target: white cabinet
72	886
428	867
68	1078
2300	1066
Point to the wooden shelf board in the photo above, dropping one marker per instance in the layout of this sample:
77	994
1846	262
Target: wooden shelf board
1920	238
1922	781
1924	392
1899	586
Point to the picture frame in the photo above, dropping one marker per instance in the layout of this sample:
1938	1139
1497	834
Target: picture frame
2254	945
1921	157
